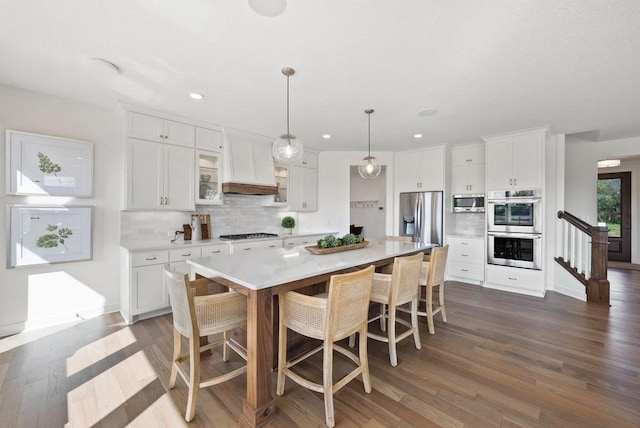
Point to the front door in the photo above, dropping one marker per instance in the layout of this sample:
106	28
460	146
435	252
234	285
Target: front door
614	209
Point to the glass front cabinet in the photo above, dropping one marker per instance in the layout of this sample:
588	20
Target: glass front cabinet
208	178
282	182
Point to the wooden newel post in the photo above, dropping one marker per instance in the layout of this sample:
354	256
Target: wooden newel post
598	285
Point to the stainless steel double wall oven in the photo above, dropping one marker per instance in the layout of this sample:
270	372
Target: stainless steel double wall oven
514	225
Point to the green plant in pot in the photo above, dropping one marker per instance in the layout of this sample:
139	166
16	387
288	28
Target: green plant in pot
288	223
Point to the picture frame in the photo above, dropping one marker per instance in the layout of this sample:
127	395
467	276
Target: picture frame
43	235
46	165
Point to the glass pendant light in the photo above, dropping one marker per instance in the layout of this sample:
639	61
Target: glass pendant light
369	167
287	148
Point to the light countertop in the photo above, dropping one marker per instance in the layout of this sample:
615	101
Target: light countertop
283	265
156	243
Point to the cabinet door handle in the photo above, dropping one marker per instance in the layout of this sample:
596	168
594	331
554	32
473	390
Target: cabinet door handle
150	258
464	243
272	246
186	255
464	270
290	244
512	279
215	251
166	200
515	181
464	255
247	249
161	203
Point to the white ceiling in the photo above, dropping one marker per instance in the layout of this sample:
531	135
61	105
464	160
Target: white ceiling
487	66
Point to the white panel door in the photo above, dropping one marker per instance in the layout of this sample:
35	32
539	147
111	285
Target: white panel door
148	289
179	164
144	174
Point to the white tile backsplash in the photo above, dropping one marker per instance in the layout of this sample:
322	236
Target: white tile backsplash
239	214
470	223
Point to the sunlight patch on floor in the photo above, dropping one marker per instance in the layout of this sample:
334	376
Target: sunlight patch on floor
162	413
96	351
95	399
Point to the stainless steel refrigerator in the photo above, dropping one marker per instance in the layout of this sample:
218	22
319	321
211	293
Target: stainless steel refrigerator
421	216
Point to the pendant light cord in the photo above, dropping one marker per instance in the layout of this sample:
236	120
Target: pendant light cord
369	115
288	108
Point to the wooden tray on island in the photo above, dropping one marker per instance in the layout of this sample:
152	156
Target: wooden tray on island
314	249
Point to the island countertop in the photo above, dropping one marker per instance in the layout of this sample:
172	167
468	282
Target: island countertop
268	268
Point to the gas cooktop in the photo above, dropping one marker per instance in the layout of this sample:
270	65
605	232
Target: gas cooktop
247	236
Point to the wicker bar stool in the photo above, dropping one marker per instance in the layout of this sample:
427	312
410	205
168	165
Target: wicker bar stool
201	316
342	313
391	291
432	278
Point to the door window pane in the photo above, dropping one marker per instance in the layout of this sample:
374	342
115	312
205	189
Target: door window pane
610	204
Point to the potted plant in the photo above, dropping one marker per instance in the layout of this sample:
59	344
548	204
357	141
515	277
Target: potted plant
288	223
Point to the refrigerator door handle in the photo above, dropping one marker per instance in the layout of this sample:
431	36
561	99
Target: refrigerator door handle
417	233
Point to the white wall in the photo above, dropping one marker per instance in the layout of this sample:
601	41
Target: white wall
582	176
57	292
334	172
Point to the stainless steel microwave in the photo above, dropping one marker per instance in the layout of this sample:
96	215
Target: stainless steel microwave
468	203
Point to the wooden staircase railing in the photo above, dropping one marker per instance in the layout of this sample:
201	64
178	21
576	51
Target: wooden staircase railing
584	255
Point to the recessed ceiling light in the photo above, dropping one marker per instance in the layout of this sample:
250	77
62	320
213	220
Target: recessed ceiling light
417	135
326	136
196	96
428	112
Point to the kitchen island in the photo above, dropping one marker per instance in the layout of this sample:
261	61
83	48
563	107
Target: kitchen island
260	275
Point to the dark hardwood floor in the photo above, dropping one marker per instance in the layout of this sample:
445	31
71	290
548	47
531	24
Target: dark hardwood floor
502	360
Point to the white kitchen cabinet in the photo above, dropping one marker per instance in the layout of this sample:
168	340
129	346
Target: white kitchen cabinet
301	240
466	260
516	280
208	178
212	250
157	129
159	176
420	170
142	290
209	139
303	188
249	162
468	169
178	259
238	247
516	161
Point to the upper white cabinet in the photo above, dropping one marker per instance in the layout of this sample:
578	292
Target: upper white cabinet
468	169
161	130
160	163
208	178
303	188
209	139
420	170
159	176
249	162
516	161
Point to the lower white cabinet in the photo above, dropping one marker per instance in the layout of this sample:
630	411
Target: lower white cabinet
301	240
142	292
466	260
517	280
238	247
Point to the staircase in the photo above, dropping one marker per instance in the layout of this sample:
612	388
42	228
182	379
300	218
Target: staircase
584	255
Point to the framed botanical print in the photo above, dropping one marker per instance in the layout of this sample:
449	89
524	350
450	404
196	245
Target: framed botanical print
41	235
45	165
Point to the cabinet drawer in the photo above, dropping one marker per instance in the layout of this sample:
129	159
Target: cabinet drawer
149	258
255	245
181	254
472	255
473	272
515	278
303	240
211	250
